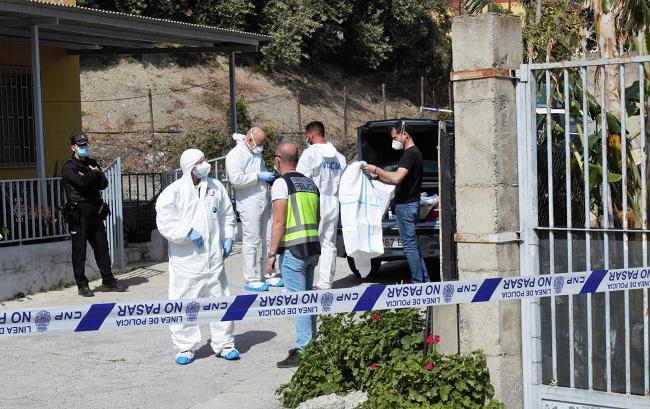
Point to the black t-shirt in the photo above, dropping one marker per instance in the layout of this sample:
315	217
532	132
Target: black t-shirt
409	190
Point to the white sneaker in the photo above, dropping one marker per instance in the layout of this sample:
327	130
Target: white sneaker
275	282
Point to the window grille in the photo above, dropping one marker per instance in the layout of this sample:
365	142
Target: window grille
17	140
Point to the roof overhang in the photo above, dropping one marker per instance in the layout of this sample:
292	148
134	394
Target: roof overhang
82	30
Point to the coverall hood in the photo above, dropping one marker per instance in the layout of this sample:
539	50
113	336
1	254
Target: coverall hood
189	159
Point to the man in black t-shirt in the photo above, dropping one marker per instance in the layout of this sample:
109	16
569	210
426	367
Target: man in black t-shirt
408	181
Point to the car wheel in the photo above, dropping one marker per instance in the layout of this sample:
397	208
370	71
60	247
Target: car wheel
374	266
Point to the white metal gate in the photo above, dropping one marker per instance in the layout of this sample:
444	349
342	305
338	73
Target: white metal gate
584	351
114	227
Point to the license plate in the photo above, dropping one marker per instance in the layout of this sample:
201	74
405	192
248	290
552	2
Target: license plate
392	242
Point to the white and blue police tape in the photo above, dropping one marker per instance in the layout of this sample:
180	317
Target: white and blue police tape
119	315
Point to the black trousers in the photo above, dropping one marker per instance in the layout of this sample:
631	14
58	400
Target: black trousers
91	229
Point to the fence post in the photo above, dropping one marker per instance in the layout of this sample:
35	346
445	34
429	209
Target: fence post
421	91
345	111
153	129
299	113
383	98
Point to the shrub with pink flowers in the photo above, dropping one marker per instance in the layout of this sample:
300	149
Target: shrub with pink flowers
381	352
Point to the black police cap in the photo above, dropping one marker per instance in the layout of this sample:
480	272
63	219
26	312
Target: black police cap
79	138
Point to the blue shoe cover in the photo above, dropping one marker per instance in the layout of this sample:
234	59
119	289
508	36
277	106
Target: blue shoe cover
260	289
231	355
184	358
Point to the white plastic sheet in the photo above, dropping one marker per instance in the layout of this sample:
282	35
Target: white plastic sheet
363	203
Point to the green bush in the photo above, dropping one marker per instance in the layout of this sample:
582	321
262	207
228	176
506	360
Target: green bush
382	353
212	142
244	122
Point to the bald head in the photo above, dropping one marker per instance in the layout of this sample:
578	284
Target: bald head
256	135
286	157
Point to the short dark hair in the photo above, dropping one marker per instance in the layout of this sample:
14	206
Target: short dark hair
315	126
402	126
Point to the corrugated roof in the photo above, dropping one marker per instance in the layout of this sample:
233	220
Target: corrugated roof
81	28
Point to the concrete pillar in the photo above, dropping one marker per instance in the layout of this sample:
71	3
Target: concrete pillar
484	48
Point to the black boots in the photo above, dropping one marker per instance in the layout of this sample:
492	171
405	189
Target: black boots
85	291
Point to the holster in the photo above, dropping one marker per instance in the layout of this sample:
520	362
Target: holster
71	213
104	211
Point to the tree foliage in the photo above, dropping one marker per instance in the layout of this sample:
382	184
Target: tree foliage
560	33
403	36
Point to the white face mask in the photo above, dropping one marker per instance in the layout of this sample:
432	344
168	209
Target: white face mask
202	170
255	149
397	145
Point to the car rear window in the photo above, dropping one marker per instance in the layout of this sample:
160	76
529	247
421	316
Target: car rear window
375	144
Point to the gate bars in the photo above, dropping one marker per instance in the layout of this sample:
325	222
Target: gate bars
581	130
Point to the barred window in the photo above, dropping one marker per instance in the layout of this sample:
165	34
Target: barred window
17	140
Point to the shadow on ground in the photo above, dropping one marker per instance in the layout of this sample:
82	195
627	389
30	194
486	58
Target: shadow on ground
390	272
244	342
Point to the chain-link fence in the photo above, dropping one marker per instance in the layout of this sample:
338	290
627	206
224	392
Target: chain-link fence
143	113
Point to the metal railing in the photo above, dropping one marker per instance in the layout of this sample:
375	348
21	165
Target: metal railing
140	192
30	211
218	171
27	215
114	227
587	349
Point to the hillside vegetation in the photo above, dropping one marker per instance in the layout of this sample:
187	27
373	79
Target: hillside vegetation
191	100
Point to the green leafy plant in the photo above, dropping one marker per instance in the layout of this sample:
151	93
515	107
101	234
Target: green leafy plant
382	353
212	142
243	118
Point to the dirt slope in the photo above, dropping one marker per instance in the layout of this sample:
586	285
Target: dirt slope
115	105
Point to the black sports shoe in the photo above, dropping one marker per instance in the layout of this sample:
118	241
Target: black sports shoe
114	286
291	360
85	291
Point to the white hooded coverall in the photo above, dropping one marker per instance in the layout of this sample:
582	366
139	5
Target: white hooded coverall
195	273
324	165
252	201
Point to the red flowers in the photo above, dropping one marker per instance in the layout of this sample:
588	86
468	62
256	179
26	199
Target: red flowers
435	339
376	317
373	367
428	366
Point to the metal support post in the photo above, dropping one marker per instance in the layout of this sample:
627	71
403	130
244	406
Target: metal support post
233	94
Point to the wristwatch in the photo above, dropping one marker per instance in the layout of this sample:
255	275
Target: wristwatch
271	255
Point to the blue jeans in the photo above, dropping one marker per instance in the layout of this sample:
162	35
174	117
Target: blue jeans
298	275
407	215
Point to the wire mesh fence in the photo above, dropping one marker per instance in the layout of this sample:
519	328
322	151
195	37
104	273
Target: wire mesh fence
150	112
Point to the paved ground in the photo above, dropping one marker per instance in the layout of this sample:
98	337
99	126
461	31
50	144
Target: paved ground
134	368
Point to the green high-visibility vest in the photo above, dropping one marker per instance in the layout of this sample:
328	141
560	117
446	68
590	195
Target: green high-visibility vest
301	226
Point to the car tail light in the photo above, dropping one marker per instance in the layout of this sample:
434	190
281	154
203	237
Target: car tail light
434	214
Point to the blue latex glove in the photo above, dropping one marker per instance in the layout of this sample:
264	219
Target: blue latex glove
227	248
267	176
196	238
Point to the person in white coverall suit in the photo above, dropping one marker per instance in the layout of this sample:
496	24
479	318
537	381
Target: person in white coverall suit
194	214
324	165
248	175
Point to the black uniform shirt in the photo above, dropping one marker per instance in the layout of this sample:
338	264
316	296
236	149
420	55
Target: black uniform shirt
80	182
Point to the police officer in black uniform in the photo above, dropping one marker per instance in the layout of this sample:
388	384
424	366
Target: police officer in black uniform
85	212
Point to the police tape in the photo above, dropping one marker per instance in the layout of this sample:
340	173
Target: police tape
118	315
